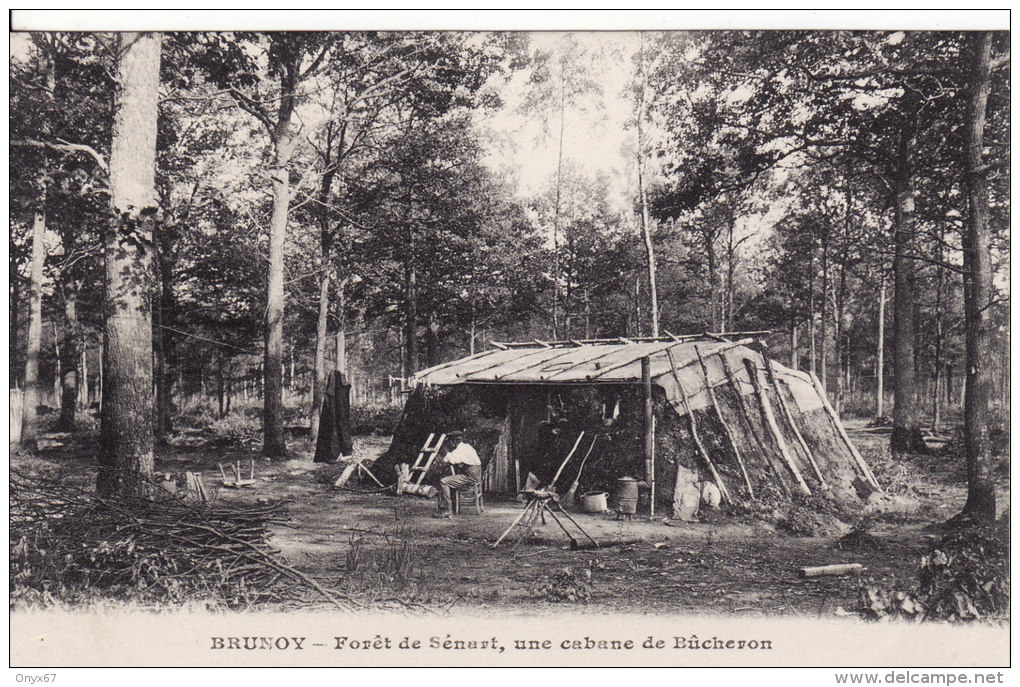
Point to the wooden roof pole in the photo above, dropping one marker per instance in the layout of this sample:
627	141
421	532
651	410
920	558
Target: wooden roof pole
544	361
694	431
774	380
731	377
502	362
858	458
604	354
443	366
770	419
726	426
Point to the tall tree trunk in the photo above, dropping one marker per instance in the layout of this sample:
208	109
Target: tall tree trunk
978	292
646	224
471	332
274	442
126	440
163	345
936	396
713	279
432	341
341	328
32	350
319	372
411	320
906	432
812	344
556	214
325	278
794	348
71	353
824	333
880	350
29	430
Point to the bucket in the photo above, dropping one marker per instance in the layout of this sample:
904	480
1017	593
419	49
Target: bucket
626	495
594	502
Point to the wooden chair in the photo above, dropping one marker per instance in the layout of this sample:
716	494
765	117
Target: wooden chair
467	497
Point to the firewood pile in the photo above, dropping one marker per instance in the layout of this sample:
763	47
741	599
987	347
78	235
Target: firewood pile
68	545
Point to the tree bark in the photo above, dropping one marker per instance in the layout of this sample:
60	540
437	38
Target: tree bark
32	349
713	279
29	429
274	443
341	328
906	432
71	353
319	372
411	321
125	458
163	341
978	293
646	228
880	352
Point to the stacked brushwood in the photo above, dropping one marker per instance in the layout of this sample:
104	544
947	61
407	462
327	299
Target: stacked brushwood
68	545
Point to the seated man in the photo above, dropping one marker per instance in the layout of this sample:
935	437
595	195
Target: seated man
468	468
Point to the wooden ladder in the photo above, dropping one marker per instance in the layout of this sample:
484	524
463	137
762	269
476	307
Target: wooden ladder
428	454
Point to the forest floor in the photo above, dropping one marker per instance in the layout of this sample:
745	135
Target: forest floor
381	549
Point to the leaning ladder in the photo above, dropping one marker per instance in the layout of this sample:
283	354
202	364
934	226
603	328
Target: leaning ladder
428	454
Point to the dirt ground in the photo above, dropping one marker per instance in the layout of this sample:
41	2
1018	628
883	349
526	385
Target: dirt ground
382	549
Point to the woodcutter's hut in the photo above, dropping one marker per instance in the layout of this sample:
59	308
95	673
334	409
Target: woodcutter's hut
674	412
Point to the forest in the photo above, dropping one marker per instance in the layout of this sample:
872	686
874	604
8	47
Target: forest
203	225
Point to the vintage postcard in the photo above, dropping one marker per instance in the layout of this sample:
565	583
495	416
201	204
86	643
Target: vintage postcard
493	338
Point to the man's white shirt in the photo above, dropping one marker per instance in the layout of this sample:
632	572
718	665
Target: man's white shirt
464	455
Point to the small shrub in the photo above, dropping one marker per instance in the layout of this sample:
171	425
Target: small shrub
380	420
236	427
965	577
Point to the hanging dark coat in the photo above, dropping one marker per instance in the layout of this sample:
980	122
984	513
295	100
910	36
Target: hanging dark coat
335	436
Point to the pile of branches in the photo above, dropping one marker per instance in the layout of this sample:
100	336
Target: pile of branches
69	545
965	577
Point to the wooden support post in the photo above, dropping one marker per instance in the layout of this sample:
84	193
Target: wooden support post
694	430
725	425
858	458
785	407
743	409
649	430
770	419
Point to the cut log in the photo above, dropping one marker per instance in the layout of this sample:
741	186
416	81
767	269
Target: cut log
837	569
584	546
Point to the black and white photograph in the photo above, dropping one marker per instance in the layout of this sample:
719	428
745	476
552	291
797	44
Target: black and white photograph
492	339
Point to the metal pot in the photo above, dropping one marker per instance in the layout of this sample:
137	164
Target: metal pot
627	495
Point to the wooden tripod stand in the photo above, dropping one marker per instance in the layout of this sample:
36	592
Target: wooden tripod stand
539	503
